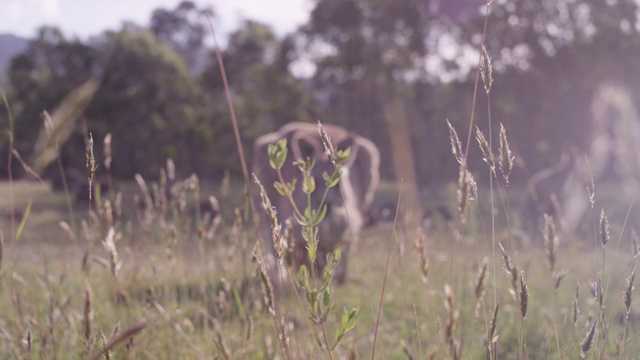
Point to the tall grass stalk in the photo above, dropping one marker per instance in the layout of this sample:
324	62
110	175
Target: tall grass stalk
386	271
245	172
10	173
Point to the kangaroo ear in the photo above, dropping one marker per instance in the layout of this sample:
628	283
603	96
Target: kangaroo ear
305	146
345	143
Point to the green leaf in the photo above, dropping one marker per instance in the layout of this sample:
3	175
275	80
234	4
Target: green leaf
334	179
277	154
317	217
343	156
292	185
24	220
326	297
312	249
97	192
280	188
349	319
337	254
308	184
302	278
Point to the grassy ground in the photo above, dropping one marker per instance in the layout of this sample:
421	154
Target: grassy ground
181	293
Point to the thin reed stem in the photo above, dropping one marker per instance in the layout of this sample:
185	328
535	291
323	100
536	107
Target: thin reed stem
245	171
386	271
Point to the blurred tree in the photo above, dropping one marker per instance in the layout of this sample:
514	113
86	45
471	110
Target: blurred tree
149	102
368	57
50	68
185	29
265	93
551	58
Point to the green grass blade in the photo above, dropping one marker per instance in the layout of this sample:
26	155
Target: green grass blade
24	220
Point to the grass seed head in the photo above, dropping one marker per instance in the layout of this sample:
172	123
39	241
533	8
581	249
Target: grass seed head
110	246
628	292
456	145
276	228
485	148
492	338
91	161
604	229
452	319
463	192
486	69
636	244
524	295
479	286
591	186
505	156
558	277
267	289
326	141
587	342
599	294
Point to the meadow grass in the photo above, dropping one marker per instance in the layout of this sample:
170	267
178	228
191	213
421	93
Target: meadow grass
152	271
196	300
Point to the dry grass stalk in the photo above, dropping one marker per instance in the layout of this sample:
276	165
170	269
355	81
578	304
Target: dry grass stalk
25	166
28	341
628	292
1	249
486	70
557	278
550	242
220	343
591	186
127	335
110	246
88	313
326	141
103	339
492	338
267	289
524	295
106	151
487	154
505	157
479	287
68	230
604	229
599	294
456	145
91	163
107	212
512	271
473	188
424	259
635	244
587	342
270	211
576	308
451	322
463	191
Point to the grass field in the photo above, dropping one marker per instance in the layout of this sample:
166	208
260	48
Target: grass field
179	289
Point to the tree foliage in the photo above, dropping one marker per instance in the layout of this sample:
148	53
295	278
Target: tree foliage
372	64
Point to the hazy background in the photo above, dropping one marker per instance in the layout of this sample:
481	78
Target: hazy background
393	71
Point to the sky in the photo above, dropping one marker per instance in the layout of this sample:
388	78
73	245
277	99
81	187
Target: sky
84	18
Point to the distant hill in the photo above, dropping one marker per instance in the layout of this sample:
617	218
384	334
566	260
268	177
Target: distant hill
10	45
